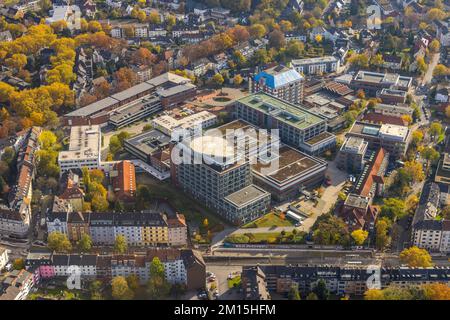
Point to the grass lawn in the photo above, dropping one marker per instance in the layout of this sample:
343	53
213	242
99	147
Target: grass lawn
183	203
234	282
267	237
269	220
59	294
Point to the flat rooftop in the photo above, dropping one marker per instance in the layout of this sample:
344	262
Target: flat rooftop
353	144
376	77
93	107
394	108
313	60
291	164
190	121
246	196
393	92
318	99
320	137
133	108
357	201
84	143
168	77
365	129
285	112
149	142
130	92
393	130
175	90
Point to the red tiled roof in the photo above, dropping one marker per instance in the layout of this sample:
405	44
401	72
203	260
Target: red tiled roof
125	182
365	189
373	117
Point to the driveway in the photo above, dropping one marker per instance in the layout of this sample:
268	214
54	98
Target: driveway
429	74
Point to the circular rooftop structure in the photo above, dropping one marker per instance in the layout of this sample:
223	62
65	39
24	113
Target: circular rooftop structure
212	146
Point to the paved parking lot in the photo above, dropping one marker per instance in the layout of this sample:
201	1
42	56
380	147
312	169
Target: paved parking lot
222	273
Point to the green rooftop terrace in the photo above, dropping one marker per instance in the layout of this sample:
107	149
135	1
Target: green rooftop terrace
283	111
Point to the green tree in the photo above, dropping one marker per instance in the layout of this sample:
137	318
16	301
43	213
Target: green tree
47	140
95	289
120	289
157	286
330	230
293	293
120	245
435	129
393	208
430	154
18	264
114	145
58	242
312	296
257	31
321	290
218	79
133	282
85	243
382	238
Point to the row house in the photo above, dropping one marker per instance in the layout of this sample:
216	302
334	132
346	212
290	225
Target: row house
427	232
15	218
16	285
181	266
139	228
348	280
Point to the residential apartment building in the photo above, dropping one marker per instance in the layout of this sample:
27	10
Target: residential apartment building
124	181
351	155
181	266
442	176
69	14
298	127
316	66
347	280
358	213
281	82
84	149
139	228
177	231
16	285
371	180
393	138
253	283
3	257
15	218
427	231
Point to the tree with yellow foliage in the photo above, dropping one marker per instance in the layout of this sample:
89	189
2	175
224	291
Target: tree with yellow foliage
359	236
374	294
416	257
17	61
59	26
94	26
5	91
